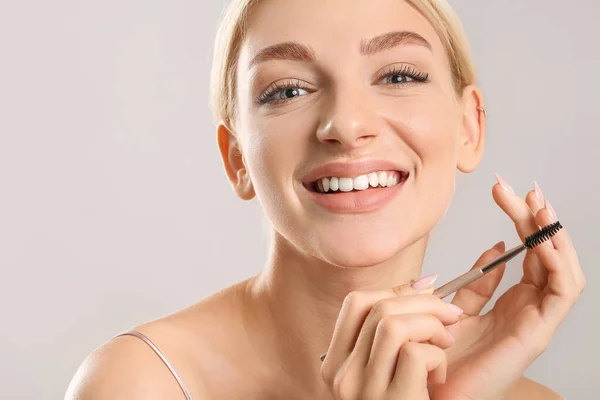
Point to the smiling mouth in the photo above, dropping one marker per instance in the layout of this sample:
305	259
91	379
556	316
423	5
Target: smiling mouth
373	180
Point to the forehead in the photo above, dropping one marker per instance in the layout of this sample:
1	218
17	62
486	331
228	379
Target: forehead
333	28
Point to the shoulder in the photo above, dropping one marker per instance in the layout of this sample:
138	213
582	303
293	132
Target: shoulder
527	389
126	367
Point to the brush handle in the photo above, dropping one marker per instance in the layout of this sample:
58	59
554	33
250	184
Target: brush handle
477	273
455	284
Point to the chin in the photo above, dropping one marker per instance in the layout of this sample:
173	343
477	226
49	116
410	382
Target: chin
351	251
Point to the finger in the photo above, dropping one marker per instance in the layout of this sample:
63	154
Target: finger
431	305
537	201
415	358
562	242
534	272
562	290
473	297
519	211
354	311
391	334
516	208
561	280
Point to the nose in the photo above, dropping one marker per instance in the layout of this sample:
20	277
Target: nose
350	122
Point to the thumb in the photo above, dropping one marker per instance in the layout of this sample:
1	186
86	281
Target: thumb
422	286
473	297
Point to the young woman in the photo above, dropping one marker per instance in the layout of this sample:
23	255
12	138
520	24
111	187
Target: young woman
348	122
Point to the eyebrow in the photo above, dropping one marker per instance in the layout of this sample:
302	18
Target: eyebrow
392	39
295	51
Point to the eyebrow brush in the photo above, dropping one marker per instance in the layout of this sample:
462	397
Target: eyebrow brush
531	241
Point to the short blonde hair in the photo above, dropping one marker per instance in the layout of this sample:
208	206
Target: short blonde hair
232	31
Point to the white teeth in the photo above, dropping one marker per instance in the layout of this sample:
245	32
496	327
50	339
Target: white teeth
346	184
361	182
382	177
391	180
373	181
334	184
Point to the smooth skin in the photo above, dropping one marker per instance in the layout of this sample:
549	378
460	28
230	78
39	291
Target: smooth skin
389	359
328	283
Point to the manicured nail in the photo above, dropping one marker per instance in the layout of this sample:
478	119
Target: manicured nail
504	184
551	211
424	282
538	193
455	309
451	336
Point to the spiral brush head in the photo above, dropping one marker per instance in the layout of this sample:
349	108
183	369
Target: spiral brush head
542	235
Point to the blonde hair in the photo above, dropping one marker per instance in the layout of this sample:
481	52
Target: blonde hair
232	31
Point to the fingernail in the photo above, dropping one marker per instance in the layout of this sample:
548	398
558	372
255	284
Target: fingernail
455	309
538	193
424	282
504	184
498	245
551	211
451	336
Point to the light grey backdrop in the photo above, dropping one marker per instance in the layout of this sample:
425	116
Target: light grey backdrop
114	209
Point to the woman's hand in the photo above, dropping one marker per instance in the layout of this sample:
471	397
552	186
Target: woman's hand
492	351
388	343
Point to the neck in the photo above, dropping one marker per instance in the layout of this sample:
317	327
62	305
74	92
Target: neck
298	298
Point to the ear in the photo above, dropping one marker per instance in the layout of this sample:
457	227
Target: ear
472	135
233	161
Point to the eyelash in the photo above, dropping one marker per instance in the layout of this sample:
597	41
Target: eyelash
406	70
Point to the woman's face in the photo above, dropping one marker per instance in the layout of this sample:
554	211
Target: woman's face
366	85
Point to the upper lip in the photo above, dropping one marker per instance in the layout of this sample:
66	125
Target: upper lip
350	169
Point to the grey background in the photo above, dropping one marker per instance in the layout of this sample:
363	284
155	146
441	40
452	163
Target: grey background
114	208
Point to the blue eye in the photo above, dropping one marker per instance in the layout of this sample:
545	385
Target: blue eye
289	93
406	74
398	78
283	92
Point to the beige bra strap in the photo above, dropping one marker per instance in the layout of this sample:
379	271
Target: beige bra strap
159	353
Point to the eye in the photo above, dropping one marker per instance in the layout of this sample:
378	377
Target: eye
278	93
403	75
398	78
289	93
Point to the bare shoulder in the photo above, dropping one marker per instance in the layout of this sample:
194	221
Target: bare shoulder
126	367
527	389
123	368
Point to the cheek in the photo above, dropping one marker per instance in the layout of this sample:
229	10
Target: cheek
429	128
274	148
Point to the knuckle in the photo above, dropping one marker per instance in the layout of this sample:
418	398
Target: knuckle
326	375
382	308
342	388
354	300
411	352
390	326
403	290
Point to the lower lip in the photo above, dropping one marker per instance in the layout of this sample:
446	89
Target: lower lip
359	201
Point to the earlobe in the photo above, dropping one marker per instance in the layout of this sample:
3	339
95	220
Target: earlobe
233	162
472	137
